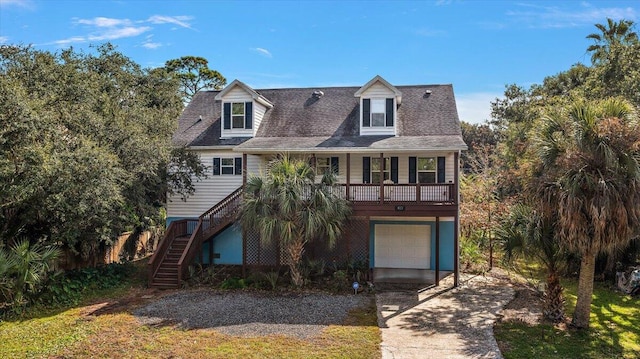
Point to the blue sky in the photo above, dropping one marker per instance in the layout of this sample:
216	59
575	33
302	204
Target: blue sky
478	46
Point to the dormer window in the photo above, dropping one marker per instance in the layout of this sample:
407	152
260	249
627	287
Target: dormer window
377	112
238	115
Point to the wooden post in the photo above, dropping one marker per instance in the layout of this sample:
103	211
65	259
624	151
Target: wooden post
418	194
244	170
244	232
381	177
456	229
437	251
348	176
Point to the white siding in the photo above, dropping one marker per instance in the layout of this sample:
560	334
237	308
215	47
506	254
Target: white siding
258	115
377	90
211	190
237	94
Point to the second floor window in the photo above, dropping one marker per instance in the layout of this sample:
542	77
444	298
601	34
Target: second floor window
377	112
375	169
427	169
237	115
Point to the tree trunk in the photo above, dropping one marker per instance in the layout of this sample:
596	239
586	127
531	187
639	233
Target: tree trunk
585	290
553	306
296	250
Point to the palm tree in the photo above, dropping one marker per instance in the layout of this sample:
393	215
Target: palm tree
531	234
590	155
24	268
288	206
615	33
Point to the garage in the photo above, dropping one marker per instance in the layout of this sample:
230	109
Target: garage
402	246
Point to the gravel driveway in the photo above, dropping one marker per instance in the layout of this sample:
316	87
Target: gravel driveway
300	315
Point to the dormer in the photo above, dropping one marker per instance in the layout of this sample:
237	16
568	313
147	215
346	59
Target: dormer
379	101
242	110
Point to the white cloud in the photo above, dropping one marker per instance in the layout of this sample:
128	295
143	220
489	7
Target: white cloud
4	39
108	29
114	34
263	52
429	32
149	44
475	107
539	16
182	21
20	3
104	22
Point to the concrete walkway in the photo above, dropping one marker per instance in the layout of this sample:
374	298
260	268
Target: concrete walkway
443	322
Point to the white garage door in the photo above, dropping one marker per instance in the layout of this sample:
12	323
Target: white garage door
402	246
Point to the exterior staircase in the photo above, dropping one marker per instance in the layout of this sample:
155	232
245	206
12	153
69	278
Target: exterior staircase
183	240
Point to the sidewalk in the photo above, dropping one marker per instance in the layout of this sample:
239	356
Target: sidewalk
443	322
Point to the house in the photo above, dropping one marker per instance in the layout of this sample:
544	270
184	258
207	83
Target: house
395	151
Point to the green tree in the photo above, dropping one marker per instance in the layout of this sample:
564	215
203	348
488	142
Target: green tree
590	156
85	144
194	75
288	206
612	34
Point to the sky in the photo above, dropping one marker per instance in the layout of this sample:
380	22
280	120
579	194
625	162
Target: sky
477	46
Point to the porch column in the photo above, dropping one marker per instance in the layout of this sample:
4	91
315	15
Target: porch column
348	176
381	177
244	232
456	229
437	251
244	170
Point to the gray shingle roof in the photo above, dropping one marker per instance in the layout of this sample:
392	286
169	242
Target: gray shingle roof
300	121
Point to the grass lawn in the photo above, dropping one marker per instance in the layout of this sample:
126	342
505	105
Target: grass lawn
106	328
614	330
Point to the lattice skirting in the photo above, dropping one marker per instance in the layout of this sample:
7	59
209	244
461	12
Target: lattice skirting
352	246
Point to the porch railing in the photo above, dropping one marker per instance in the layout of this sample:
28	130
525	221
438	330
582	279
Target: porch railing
427	193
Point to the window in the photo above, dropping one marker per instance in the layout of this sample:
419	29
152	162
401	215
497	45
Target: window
378	113
227	166
326	164
237	115
427	168
323	165
375	169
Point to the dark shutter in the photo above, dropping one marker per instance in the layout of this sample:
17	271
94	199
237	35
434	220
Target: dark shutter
237	164
216	166
441	163
413	173
366	113
389	112
394	169
248	115
335	167
366	169
227	115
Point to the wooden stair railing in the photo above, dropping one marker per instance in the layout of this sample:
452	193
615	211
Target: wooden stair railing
162	265
170	262
210	223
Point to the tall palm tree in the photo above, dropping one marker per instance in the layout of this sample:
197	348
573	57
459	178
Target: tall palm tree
614	33
288	206
590	154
